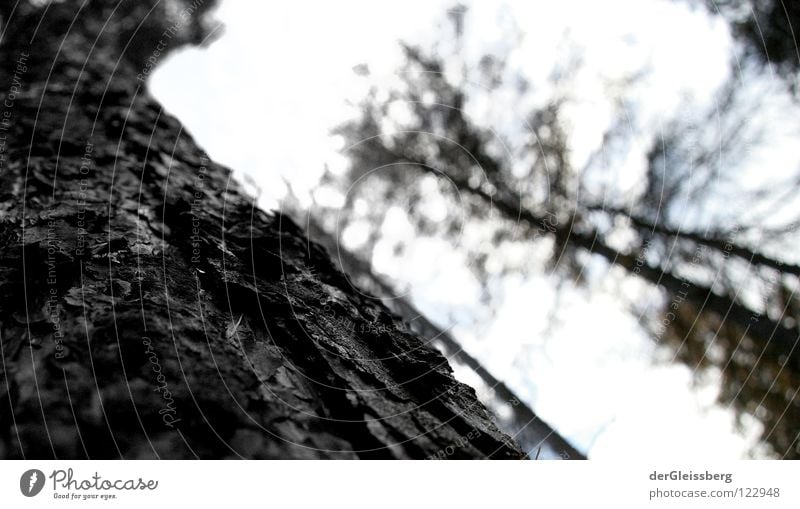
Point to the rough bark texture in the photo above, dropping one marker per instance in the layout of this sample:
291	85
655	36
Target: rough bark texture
149	309
533	434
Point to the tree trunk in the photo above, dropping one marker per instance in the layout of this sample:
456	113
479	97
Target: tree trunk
533	434
149	309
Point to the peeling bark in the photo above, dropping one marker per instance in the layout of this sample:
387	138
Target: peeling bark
149	309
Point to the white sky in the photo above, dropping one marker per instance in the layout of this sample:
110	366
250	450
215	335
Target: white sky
263	98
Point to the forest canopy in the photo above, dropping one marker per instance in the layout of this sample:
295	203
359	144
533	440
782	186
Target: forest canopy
693	218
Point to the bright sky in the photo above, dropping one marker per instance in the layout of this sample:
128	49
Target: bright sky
263	98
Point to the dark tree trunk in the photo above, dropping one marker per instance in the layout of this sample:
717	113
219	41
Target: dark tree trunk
533	434
149	309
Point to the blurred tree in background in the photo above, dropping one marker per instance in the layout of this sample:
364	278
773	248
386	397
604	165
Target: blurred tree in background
706	236
768	30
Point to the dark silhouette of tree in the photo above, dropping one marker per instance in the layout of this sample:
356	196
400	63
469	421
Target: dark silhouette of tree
149	309
767	29
727	290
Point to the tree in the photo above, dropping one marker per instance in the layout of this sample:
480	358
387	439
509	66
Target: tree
534	435
767	29
727	292
149	309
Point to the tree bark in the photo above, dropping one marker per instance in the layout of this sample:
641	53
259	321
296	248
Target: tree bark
149	309
532	433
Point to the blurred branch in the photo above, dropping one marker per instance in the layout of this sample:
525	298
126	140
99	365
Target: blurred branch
712	241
